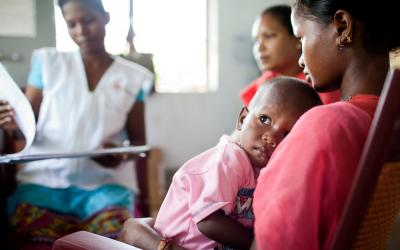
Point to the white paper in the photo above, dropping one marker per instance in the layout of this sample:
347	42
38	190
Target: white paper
24	116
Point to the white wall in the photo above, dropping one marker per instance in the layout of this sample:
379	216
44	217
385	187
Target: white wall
183	125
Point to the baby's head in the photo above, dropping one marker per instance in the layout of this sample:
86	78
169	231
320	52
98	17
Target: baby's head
272	113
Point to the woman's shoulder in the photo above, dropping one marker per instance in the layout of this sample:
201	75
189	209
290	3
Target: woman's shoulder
130	67
335	112
52	55
332	120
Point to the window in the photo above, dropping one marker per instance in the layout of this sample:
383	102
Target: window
174	31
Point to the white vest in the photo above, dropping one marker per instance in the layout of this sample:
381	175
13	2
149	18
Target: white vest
72	119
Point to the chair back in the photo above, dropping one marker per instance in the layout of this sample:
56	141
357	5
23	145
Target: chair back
374	200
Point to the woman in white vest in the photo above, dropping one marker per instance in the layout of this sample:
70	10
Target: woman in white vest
82	100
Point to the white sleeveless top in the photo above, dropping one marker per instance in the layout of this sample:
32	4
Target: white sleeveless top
72	119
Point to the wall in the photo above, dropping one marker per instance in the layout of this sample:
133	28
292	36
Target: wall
45	37
184	125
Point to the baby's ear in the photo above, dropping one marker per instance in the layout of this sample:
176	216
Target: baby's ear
242	115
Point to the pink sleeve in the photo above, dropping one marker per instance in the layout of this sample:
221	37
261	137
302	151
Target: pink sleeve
302	191
217	188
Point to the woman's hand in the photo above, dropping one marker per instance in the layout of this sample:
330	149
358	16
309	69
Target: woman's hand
110	161
6	115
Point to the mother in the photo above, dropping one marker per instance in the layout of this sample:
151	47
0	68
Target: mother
301	194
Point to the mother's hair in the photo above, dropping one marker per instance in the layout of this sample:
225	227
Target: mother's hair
377	18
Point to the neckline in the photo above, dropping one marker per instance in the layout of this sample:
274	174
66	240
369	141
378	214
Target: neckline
356	97
85	77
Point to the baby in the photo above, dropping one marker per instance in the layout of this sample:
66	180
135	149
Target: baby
209	202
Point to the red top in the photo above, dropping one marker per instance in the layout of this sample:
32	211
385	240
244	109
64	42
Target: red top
248	92
302	191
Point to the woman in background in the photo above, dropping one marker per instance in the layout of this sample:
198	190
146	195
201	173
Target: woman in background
277	51
83	100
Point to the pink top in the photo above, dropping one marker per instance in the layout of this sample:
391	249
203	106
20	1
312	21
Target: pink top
301	193
219	178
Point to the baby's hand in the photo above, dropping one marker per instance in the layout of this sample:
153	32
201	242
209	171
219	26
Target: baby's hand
6	115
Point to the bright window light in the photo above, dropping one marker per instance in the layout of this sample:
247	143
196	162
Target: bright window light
174	31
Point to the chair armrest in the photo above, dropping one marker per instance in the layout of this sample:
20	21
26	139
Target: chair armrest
83	240
143	182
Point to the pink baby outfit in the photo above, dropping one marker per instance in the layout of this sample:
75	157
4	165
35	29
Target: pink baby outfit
219	178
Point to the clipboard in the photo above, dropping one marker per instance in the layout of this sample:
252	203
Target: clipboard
23	158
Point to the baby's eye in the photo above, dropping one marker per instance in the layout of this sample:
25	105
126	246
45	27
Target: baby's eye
265	119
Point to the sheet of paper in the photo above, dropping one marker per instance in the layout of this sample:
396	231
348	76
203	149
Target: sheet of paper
21	158
24	117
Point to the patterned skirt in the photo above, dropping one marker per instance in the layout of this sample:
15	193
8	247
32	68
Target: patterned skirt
37	227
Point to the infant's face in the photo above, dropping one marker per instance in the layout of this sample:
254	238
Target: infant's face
264	127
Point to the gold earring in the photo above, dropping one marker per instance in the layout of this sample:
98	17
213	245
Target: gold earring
348	38
345	40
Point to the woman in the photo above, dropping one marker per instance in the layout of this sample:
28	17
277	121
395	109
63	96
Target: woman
301	193
83	100
277	51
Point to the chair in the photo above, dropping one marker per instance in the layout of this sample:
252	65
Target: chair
374	200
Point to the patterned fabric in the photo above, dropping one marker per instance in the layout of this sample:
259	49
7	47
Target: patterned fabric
34	225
